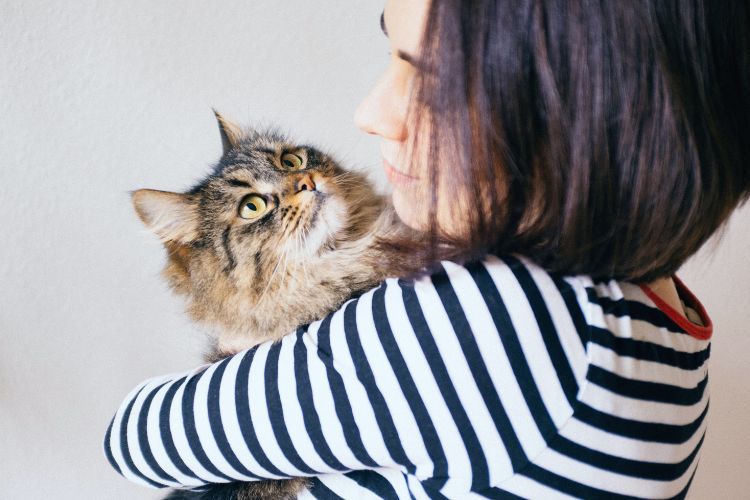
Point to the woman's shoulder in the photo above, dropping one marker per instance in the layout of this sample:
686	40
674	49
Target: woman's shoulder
504	307
511	286
607	322
504	271
522	282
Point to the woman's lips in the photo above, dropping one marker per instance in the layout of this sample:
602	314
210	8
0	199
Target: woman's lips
397	177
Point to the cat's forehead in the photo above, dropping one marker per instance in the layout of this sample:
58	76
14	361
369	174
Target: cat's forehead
259	145
259	176
256	162
259	165
261	161
270	140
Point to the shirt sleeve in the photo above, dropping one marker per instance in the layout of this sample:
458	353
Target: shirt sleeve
397	378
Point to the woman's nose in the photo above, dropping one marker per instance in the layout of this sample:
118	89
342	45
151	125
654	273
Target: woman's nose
382	112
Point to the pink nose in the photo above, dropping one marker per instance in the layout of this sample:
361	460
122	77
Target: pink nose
304	183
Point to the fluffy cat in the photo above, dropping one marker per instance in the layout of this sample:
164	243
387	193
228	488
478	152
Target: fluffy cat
277	236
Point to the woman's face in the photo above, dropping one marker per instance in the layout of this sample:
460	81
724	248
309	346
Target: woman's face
384	113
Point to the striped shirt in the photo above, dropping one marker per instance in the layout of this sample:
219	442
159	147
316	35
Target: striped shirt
492	380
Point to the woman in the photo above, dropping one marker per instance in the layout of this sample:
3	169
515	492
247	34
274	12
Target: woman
571	155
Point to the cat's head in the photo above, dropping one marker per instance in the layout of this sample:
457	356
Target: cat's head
268	203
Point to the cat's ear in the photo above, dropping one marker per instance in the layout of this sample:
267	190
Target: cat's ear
172	216
231	133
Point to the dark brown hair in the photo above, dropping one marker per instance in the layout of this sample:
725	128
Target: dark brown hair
609	138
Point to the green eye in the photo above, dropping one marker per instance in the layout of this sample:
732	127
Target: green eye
252	206
291	161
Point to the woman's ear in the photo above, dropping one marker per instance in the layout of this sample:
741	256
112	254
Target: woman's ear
172	216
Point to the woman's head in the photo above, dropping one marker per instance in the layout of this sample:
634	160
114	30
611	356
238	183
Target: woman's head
606	138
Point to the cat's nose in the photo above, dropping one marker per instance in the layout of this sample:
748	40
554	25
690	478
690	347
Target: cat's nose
304	183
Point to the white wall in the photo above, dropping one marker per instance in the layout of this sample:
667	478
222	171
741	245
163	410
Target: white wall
101	97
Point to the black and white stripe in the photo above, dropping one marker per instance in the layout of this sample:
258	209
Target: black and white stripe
491	380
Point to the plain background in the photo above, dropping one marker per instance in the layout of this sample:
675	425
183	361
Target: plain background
98	98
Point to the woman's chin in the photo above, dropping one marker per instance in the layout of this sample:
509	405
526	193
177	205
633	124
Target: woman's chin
409	210
413	211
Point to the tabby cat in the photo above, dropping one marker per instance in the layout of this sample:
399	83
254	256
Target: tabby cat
277	236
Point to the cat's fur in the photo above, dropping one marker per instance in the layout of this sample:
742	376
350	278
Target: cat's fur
257	280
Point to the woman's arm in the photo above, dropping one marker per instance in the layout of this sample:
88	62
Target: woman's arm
407	376
327	398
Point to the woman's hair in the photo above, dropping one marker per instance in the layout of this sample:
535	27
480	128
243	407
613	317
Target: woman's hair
608	138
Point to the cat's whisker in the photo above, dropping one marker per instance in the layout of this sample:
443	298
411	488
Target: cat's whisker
298	250
346	182
304	267
268	284
346	176
283	273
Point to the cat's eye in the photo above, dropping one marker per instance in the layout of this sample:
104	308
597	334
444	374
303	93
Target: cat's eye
291	161
252	206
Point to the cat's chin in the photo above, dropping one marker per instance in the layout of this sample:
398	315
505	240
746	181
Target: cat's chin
330	218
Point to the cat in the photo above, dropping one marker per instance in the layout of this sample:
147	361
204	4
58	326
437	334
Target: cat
277	236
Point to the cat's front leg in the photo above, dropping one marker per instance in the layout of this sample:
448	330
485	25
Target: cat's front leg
281	489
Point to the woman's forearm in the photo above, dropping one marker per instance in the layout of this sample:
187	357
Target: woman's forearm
289	409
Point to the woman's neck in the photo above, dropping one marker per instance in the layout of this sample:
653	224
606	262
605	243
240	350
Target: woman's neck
667	291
